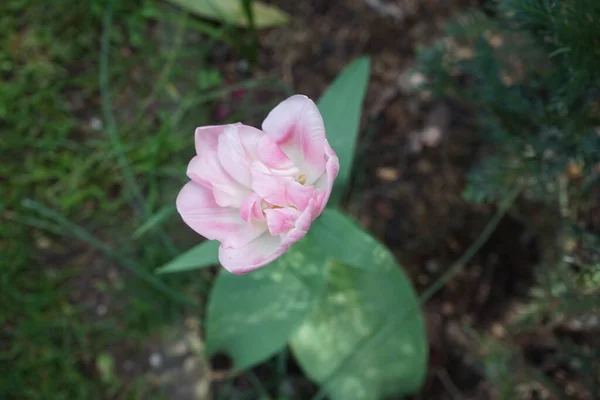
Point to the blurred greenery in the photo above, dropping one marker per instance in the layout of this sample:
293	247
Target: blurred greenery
97	107
530	70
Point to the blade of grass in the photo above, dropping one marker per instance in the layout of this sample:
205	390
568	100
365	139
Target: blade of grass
181	22
257	385
248	84
483	237
226	390
251	49
215	33
80	233
168	67
111	128
281	369
195	101
158	218
38	224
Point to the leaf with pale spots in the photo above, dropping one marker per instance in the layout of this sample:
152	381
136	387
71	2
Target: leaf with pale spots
345	241
366	338
251	317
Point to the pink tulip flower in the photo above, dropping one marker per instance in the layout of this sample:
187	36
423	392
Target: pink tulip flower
258	191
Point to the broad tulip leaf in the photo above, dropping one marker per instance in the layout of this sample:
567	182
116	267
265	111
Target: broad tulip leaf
341	107
203	255
251	317
366	338
232	12
344	240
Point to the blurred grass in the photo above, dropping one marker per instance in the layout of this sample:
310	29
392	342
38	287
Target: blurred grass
94	159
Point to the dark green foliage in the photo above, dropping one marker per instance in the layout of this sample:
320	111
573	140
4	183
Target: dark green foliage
569	32
531	71
539	106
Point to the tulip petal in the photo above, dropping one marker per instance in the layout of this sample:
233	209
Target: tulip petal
207	137
271	155
298	195
237	149
324	185
200	212
281	220
279	190
270	187
301	226
297	127
251	209
255	254
206	169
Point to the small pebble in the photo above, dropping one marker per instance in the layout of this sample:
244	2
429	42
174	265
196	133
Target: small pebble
128	365
101	309
155	360
498	330
388	174
179	348
432	266
43	243
410	81
242	65
447	309
96	123
431	136
190	365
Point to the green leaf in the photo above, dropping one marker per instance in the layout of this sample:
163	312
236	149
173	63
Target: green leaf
232	12
366	339
341	107
208	78
336	233
251	317
105	364
203	255
154	221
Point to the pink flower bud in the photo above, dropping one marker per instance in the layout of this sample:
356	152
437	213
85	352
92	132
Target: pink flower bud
258	191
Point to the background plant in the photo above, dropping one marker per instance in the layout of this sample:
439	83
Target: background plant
530	70
76	156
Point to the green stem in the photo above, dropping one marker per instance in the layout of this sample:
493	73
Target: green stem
258	387
485	234
281	363
251	49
